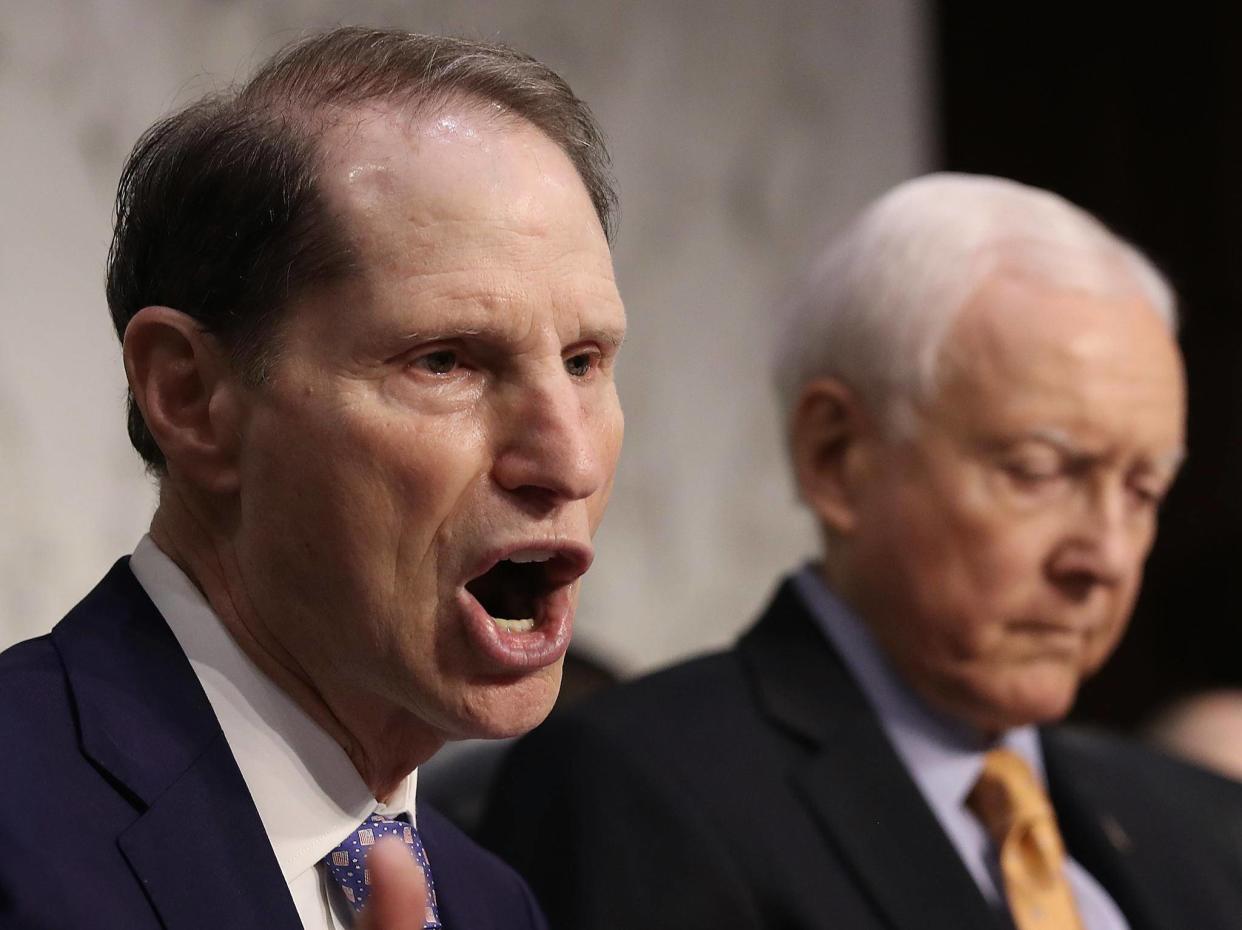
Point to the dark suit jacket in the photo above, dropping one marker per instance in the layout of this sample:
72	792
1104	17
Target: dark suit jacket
121	807
756	788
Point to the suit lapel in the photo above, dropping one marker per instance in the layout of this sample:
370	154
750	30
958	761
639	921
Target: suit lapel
203	856
197	844
853	782
1101	842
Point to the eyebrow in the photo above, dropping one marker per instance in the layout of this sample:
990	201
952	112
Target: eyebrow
1058	437
611	336
445	333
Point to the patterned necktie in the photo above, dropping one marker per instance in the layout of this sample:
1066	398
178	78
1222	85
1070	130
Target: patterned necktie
1012	806
347	864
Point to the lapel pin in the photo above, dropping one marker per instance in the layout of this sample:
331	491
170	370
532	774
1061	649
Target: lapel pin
1116	833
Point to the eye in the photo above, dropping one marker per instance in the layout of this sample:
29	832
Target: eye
1034	471
1039	472
440	362
580	364
1148	495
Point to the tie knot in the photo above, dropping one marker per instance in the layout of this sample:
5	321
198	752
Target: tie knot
347	863
1008	797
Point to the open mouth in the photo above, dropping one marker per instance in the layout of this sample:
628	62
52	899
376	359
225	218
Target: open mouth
518	608
514	589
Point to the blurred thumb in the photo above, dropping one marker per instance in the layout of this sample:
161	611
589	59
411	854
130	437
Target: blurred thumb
398	898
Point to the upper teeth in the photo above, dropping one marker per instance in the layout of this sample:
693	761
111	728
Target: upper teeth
531	555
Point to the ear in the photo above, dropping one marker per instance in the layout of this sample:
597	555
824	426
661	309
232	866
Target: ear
188	394
830	438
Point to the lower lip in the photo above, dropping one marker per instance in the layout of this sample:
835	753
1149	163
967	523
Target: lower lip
514	652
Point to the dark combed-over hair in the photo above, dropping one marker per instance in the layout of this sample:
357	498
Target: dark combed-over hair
219	213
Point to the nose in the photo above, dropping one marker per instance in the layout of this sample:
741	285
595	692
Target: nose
1105	543
556	444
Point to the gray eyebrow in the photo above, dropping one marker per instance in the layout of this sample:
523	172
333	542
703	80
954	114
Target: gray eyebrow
1063	441
612	335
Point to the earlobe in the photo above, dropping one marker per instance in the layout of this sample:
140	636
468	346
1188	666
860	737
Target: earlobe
827	435
183	384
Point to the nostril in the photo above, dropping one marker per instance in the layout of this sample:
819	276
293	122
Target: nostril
535	501
1078	585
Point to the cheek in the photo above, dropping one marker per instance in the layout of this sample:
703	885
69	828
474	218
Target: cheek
993	558
356	493
1105	639
424	462
968	580
614	436
607	439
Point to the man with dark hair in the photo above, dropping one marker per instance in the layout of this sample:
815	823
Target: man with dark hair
369	323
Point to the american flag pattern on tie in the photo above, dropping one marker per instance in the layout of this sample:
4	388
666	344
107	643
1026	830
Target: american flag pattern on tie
347	864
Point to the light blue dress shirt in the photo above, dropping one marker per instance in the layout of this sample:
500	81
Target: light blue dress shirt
943	757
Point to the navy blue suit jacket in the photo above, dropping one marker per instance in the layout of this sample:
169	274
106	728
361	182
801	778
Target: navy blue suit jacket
121	807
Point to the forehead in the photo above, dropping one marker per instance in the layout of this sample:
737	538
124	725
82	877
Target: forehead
458	219
461	177
1021	357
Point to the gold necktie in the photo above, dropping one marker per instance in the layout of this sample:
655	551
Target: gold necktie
1014	809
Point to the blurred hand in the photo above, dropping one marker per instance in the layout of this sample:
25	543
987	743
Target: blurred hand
398	898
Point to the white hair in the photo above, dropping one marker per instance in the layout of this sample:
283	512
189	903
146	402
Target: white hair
876	306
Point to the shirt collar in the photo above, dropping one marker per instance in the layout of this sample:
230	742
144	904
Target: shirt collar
942	755
307	792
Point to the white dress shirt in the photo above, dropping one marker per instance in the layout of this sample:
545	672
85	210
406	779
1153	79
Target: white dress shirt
307	792
943	757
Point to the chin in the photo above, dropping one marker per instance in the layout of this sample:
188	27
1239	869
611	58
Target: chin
511	708
1036	703
1008	698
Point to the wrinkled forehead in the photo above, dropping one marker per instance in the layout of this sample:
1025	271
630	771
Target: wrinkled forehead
462	162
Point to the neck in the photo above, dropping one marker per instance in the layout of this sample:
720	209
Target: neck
383	741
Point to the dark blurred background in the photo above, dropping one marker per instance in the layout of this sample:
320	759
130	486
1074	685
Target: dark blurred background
1134	114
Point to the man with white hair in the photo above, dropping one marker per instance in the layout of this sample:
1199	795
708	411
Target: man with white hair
985	404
